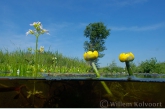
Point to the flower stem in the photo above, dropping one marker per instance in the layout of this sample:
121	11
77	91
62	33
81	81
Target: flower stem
36	57
129	68
36	66
96	71
102	82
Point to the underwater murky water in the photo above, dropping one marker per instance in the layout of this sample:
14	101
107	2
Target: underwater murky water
80	93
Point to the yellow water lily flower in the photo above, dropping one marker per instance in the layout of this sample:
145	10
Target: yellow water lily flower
125	57
131	56
91	55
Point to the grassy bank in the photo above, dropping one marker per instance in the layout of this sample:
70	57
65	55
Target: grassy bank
21	63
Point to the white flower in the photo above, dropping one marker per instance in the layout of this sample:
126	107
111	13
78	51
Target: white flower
44	31
32	24
18	72
54	58
38	29
35	24
30	32
41	49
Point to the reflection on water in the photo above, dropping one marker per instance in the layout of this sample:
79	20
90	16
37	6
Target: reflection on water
84	93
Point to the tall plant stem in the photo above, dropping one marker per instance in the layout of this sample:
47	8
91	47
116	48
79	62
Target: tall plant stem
36	57
36	67
129	68
102	82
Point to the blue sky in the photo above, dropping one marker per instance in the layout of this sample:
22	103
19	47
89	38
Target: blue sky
137	26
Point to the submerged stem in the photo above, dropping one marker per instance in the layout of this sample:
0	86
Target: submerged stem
36	66
102	82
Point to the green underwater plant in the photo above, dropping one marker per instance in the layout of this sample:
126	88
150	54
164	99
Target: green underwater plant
91	56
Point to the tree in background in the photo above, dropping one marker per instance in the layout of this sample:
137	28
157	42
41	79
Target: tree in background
113	68
150	65
97	33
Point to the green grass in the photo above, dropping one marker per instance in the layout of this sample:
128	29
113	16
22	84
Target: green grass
55	62
49	62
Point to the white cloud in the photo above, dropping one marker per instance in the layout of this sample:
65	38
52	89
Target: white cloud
137	28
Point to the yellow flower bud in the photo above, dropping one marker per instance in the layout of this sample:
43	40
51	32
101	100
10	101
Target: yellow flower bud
90	55
131	57
125	57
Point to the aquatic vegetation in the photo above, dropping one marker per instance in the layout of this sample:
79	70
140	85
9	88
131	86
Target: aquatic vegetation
41	50
69	93
33	93
127	57
4	88
38	30
28	64
22	62
91	56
